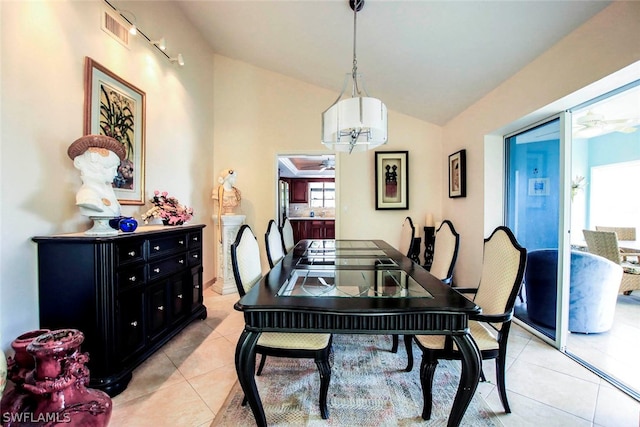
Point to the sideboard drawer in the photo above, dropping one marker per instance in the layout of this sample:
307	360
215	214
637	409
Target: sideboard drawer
130	251
195	257
166	245
195	240
131	276
167	266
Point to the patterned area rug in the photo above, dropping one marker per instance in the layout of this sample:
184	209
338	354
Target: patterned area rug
369	387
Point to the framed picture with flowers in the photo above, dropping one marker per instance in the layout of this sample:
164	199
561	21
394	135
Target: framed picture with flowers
116	108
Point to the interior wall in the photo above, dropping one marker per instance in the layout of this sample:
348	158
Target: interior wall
260	114
583	65
43	49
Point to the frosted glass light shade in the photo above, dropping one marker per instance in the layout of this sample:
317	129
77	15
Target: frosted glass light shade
355	124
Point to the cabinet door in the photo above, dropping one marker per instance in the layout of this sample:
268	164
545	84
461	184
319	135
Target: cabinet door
316	230
299	192
196	288
179	296
157	309
329	229
129	324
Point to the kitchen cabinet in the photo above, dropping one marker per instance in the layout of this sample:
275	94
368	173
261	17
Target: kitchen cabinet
299	192
129	294
312	229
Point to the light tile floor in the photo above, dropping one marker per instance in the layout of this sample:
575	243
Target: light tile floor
186	382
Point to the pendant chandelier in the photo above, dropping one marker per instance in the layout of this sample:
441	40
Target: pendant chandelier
358	122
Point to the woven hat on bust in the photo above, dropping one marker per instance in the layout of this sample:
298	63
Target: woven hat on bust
81	145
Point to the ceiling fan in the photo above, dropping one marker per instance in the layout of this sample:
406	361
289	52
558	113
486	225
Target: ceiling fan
593	124
325	164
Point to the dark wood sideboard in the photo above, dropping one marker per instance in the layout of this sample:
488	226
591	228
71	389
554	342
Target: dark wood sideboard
129	294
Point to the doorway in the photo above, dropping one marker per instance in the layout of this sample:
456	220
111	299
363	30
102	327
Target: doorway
307	194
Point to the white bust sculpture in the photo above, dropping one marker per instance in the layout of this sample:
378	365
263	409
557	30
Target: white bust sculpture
226	194
97	157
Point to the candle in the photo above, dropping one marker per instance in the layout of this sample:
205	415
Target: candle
429	220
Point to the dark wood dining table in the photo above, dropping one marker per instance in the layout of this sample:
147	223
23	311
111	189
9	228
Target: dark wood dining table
354	287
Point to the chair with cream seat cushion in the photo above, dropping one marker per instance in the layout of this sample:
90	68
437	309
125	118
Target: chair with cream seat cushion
605	244
405	247
503	269
273	243
245	260
288	241
407	233
445	253
623	233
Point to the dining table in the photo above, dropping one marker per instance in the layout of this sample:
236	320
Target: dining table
354	287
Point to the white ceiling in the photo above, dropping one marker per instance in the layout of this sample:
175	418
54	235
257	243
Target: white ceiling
427	59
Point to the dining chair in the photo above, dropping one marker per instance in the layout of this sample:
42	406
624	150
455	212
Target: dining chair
245	261
503	267
288	242
405	247
445	253
605	244
407	233
273	243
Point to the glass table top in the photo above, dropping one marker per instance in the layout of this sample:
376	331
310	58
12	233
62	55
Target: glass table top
378	283
312	260
343	244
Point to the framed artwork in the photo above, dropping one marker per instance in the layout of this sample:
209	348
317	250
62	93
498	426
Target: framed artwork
392	180
458	174
116	108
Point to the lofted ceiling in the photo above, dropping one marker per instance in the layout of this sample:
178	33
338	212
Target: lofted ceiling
427	59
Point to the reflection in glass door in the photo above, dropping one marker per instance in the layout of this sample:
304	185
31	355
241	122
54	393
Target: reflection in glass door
533	212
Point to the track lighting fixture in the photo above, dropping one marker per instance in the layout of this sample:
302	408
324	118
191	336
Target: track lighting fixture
179	59
161	43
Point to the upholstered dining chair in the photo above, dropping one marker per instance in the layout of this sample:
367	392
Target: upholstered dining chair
407	233
503	267
605	244
405	247
445	253
245	261
288	242
273	243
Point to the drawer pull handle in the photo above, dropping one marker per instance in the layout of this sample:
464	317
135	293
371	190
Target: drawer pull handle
195	256
180	261
132	278
134	323
197	286
156	248
160	308
195	239
132	253
180	296
156	270
181	242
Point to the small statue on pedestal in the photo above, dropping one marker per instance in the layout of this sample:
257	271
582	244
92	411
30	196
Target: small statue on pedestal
226	194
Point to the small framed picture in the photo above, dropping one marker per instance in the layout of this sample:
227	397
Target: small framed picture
116	108
392	180
458	174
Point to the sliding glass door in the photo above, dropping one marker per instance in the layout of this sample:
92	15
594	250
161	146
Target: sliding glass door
534	194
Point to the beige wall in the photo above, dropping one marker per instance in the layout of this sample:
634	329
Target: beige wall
260	114
43	48
582	65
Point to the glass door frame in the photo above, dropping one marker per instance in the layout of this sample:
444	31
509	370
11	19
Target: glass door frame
564	223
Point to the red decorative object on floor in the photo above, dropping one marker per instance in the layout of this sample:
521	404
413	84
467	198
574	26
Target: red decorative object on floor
54	392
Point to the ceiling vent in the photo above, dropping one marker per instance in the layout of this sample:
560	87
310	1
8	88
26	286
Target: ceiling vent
115	26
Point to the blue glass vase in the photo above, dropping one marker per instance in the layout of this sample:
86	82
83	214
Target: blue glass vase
128	225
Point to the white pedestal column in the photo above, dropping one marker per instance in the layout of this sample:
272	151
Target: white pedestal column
225	282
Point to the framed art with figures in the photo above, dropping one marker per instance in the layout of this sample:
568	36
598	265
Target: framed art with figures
392	180
458	174
116	108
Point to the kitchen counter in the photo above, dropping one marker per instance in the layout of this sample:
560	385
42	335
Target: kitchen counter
308	218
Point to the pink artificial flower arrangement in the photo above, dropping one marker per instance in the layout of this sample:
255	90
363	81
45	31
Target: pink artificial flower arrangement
168	209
